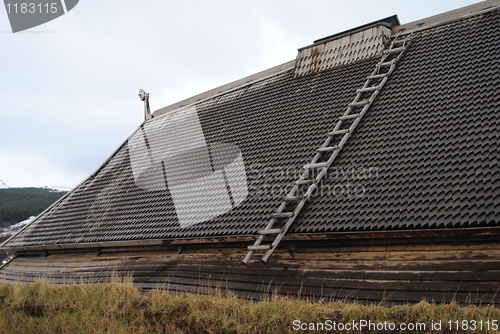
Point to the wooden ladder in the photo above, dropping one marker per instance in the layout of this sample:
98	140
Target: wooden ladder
293	203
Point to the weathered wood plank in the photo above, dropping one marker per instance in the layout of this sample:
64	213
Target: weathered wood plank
481	266
367	295
297	282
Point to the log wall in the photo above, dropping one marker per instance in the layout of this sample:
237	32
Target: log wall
392	270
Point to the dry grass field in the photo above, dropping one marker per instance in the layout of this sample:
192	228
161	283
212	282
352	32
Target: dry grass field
119	307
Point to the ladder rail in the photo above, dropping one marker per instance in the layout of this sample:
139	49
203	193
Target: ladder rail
313	187
293	194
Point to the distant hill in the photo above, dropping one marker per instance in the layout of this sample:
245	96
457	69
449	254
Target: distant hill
17	204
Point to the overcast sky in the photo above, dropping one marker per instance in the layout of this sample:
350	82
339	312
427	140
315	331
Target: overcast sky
68	88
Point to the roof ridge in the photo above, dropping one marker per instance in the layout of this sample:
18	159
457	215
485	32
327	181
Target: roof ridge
426	23
227	88
450	16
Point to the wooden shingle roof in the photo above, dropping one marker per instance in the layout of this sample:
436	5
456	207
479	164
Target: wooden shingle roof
426	155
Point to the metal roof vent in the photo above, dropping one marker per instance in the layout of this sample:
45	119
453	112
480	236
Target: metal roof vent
349	46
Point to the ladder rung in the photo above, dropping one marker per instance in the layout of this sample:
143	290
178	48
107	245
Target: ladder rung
327	149
377	76
301	182
338	132
282	215
271	231
367	89
387	63
258	247
401	41
316	165
292	198
343	118
360	103
394	50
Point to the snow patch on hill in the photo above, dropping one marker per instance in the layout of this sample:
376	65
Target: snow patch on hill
8	231
58	188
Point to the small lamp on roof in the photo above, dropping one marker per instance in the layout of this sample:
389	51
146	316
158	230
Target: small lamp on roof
145	97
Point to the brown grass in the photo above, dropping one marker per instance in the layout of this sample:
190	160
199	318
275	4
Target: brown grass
119	307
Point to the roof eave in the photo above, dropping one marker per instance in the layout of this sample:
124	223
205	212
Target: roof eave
408	233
